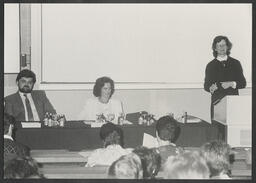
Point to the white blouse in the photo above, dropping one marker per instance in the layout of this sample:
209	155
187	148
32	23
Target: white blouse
106	156
94	107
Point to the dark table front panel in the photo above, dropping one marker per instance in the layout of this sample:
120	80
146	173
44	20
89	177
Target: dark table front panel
193	135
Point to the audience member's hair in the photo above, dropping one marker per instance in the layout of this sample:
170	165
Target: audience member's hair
111	134
188	165
8	120
217	155
150	160
218	39
20	168
126	167
27	74
100	82
168	129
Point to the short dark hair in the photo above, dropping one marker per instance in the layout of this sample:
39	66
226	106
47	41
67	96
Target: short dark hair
21	167
8	120
218	39
111	134
100	82
150	161
168	129
127	166
27	74
217	154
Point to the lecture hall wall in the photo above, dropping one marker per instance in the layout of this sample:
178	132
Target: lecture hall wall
157	101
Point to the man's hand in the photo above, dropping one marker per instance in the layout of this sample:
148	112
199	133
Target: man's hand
213	88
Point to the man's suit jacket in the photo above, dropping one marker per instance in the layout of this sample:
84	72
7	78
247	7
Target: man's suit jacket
15	107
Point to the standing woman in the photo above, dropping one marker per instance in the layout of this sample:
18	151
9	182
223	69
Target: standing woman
102	103
224	74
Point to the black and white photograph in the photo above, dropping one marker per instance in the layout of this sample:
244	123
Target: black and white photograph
127	91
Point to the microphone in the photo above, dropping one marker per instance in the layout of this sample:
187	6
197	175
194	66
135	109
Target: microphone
224	63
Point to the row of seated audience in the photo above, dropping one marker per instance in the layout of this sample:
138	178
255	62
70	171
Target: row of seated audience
211	161
17	161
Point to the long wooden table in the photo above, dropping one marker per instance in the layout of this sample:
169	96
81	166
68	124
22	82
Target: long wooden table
76	138
66	164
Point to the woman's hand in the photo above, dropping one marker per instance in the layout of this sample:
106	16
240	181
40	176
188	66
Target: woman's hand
110	117
213	88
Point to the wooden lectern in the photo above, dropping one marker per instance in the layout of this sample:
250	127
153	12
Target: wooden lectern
236	113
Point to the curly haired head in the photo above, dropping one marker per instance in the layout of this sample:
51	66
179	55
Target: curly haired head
126	167
150	160
100	82
217	155
187	165
21	167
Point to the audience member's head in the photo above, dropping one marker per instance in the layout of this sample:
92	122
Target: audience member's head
126	167
111	134
150	160
20	168
188	165
167	129
8	124
26	80
217	155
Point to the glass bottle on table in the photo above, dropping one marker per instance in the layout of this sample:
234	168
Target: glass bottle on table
144	119
62	120
50	120
121	118
46	118
185	117
152	120
148	119
140	120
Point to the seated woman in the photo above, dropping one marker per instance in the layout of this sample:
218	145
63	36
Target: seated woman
102	103
112	138
217	155
167	132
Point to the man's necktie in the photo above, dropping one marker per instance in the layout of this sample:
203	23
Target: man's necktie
29	110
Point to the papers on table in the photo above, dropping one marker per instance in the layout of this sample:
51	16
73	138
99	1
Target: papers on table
190	119
149	141
127	122
31	125
94	124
